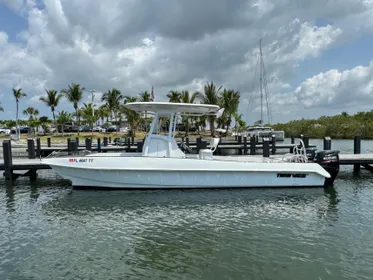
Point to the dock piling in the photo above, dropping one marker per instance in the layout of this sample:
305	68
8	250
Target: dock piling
128	145
357	150
239	142
68	144
306	141
73	147
99	144
8	163
327	143
105	141
88	144
265	147
77	141
38	147
273	144
140	144
31	148
49	142
245	145
252	145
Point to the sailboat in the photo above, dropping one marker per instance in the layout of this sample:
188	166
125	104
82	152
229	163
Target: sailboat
258	129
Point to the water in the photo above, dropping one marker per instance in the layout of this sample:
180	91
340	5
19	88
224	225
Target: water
49	231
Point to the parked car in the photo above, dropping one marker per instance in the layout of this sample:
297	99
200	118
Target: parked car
98	129
84	128
112	128
4	130
68	127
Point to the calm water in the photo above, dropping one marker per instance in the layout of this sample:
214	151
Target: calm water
49	231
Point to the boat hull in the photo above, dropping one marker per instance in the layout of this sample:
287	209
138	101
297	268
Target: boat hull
160	173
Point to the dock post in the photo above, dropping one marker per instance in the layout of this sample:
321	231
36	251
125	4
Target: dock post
88	144
105	141
273	144
140	144
187	141
306	141
292	139
128	144
68	144
99	144
31	148
38	147
109	139
8	162
239	142
252	145
198	144
74	147
357	150
245	145
49	142
265	147
133	140
327	143
77	141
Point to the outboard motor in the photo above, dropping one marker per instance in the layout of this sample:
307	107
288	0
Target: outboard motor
311	152
329	160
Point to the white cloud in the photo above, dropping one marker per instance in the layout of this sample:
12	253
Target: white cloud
132	46
340	89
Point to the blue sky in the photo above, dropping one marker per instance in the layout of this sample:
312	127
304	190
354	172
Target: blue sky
147	65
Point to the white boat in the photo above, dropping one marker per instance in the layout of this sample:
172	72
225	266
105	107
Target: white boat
163	164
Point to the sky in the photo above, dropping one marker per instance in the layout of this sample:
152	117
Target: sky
318	55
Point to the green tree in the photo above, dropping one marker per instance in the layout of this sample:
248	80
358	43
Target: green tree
33	120
211	96
52	100
44	123
113	99
132	116
74	94
174	96
230	100
62	118
87	113
18	95
145	97
185	97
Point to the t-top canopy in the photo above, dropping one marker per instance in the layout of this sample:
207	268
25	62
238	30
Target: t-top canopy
169	107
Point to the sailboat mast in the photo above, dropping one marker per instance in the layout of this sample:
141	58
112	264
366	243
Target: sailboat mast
261	82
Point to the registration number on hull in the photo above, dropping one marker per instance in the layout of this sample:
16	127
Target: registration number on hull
80	159
292	175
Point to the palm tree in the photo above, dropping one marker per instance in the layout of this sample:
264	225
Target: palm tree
211	96
132	116
104	112
18	94
230	100
51	100
74	94
87	113
174	96
112	98
145	97
62	118
33	120
185	97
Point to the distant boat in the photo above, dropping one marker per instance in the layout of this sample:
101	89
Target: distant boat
258	129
